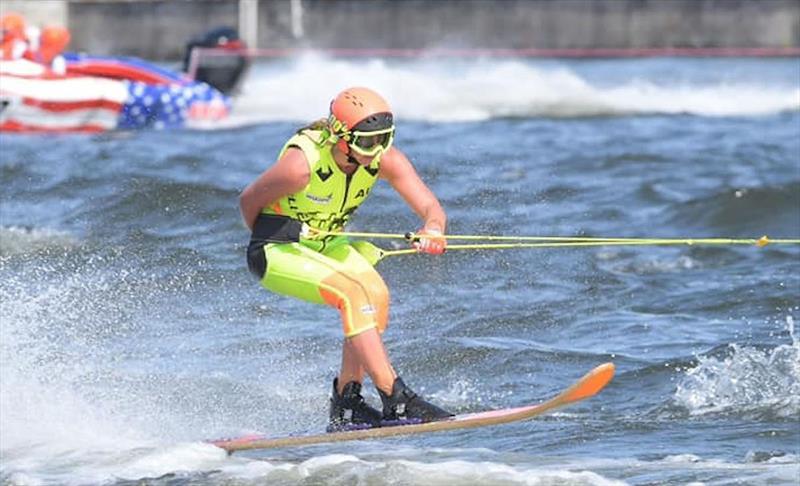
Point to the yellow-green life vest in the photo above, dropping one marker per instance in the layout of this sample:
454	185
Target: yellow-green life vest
331	196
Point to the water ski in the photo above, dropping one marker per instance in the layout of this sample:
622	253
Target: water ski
589	385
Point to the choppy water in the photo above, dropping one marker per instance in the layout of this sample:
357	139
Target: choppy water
131	329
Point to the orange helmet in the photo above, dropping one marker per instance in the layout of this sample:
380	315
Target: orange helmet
362	121
13	26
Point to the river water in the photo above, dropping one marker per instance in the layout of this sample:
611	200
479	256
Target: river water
131	330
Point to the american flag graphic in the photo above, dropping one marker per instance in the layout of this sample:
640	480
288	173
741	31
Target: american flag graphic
99	94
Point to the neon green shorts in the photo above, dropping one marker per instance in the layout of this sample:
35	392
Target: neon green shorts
339	273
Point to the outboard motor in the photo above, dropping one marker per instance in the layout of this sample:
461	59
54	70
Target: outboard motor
221	70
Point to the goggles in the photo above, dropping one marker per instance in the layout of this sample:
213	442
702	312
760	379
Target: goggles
371	143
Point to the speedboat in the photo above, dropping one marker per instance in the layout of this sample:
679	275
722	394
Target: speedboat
101	93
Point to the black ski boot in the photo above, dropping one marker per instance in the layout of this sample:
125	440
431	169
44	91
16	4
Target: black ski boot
349	411
405	406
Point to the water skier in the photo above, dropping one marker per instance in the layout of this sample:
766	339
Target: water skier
323	174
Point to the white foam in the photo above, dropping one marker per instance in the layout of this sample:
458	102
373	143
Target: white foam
747	380
81	467
440	91
16	240
350	469
463	472
189	457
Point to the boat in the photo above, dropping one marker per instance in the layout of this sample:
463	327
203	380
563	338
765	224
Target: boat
103	93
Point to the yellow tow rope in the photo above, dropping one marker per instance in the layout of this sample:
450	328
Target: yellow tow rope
551	241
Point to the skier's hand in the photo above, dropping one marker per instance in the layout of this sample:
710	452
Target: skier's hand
434	244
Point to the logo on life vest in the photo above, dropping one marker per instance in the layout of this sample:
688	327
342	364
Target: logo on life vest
367	309
320	199
362	193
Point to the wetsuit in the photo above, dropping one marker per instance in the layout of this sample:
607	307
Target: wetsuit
330	270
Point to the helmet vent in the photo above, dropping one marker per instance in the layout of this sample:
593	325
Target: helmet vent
359	109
